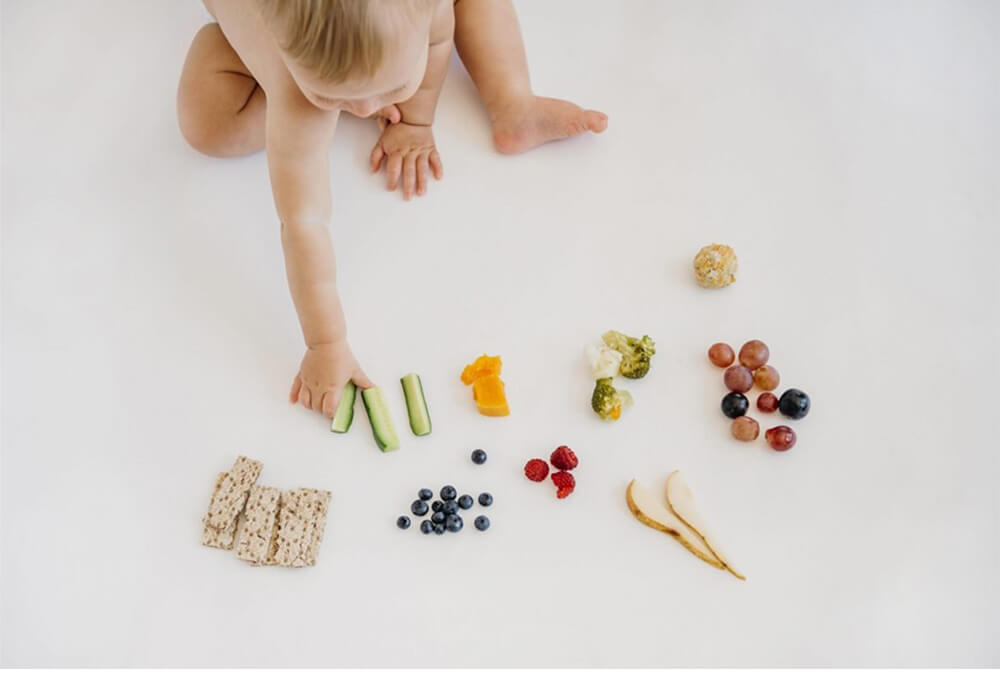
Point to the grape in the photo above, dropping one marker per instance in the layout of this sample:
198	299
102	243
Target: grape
735	405
754	354
781	438
794	403
745	429
721	355
767	402
766	377
738	378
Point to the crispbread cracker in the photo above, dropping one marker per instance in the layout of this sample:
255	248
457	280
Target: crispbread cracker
231	494
257	526
301	521
218	538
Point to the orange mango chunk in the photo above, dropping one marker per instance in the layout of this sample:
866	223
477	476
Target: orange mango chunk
483	366
488	391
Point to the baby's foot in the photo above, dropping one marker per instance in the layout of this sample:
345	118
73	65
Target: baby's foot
535	120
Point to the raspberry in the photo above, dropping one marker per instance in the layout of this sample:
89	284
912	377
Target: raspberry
536	470
564	458
564	482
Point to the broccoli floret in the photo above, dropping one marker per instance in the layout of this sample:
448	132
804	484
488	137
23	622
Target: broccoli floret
609	402
636	353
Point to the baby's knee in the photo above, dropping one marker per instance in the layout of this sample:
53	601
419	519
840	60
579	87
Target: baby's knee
204	137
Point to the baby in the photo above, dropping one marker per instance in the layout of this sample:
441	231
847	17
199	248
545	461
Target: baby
275	75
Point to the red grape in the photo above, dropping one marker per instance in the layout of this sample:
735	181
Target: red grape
754	354
766	377
745	429
738	378
767	402
781	438
721	354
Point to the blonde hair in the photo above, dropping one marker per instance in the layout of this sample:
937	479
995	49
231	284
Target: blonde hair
335	38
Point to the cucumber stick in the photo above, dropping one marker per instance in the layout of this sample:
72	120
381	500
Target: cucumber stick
378	415
345	410
416	405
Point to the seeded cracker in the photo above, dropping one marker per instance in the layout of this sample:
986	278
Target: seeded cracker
218	538
257	526
231	495
301	521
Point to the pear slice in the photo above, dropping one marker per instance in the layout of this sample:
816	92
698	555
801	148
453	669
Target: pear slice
681	502
653	513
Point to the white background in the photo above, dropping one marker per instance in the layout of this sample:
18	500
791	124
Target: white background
847	150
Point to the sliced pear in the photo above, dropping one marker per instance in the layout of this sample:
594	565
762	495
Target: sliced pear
652	512
681	502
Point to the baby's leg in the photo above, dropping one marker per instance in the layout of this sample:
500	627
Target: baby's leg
220	106
488	39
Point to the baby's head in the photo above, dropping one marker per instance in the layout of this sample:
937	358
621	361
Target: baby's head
353	55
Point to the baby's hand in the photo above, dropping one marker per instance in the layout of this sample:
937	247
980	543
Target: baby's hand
324	372
408	150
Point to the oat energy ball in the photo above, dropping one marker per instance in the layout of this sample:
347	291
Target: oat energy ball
715	266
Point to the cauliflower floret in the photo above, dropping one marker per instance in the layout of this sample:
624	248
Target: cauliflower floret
604	361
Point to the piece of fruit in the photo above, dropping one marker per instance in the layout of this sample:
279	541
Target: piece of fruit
721	354
781	438
416	405
425	494
418	508
483	366
482	523
485	499
754	354
565	483
735	405
745	429
381	421
438	518
680	500
439	528
794	403
437	506
536	470
344	416
426	527
479	457
448	492
465	502
738	378
403	522
767	402
453	523
564	458
488	391
766	377
450	507
653	512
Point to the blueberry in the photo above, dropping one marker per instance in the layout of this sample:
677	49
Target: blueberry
403	522
437	518
482	522
450	507
794	403
479	457
426	527
425	494
735	405
418	508
453	523
437	506
465	502
448	493
439	528
485	499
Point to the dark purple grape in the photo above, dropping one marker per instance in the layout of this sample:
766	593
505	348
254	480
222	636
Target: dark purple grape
735	405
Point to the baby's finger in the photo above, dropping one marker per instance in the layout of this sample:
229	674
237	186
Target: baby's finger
328	404
393	168
435	160
305	397
423	173
409	175
293	396
376	158
361	380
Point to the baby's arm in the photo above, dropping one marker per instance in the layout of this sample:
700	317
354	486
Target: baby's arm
408	146
298	138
